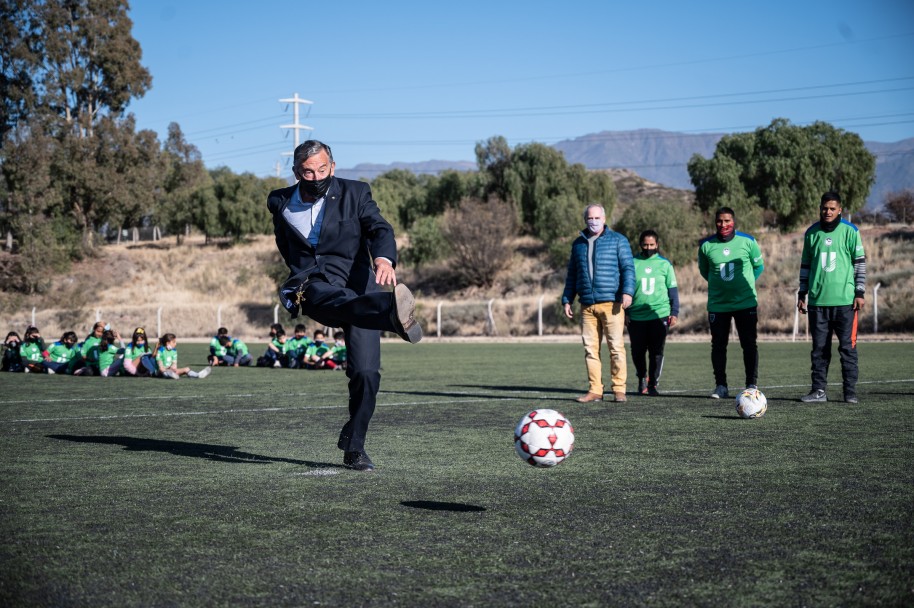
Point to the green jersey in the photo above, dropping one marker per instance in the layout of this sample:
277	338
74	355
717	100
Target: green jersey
296	346
831	265
731	268
61	352
89	350
237	349
106	356
316	350
654	277
339	353
166	358
31	352
216	348
132	352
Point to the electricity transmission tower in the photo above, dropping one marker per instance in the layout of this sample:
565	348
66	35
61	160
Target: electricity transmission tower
296	125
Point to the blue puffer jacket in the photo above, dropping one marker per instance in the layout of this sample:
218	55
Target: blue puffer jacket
613	268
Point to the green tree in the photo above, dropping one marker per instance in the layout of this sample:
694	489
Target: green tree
426	242
784	168
187	184
680	228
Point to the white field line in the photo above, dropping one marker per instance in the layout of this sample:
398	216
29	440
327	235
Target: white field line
244	411
477	397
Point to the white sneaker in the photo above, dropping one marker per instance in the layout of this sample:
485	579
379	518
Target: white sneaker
277	364
720	392
203	373
171	374
50	371
26	371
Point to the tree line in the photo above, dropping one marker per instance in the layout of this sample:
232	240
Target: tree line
73	166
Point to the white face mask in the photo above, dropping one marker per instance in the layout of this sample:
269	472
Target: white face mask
595	226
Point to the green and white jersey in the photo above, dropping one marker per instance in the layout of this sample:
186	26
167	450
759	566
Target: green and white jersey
828	263
654	277
297	346
317	350
339	353
31	352
132	352
216	348
89	349
106	356
730	267
166	358
62	353
237	349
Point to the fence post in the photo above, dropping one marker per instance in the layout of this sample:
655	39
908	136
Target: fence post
159	322
539	315
276	314
219	316
796	315
438	321
490	320
33	317
98	315
876	308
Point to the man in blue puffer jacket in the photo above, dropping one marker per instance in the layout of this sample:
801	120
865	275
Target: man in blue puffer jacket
601	274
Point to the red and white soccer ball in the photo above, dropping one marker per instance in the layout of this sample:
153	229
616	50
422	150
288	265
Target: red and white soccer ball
751	403
543	438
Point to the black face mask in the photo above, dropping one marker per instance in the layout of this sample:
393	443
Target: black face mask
648	252
316	188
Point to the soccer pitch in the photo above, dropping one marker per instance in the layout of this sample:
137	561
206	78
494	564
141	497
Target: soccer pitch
229	491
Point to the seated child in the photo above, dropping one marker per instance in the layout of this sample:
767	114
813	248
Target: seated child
110	353
12	360
138	359
216	349
62	355
296	346
273	355
338	351
87	364
167	361
318	354
32	351
236	352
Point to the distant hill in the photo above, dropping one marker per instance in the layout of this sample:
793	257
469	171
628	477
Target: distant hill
662	157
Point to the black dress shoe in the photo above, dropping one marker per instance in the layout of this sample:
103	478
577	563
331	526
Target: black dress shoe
358	461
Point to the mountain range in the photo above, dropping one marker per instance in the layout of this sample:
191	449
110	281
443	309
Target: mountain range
662	157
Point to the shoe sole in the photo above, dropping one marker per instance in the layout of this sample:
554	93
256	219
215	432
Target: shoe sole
406	306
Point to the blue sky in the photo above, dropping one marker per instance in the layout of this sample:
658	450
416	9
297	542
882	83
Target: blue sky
412	81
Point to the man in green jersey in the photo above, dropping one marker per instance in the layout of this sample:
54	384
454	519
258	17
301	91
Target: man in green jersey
731	261
833	275
654	309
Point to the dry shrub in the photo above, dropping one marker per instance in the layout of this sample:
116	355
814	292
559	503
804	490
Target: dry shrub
478	234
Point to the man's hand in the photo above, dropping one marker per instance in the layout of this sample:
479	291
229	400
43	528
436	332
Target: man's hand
801	306
568	312
858	304
384	272
672	321
626	301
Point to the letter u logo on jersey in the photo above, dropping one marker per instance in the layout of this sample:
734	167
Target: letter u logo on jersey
727	271
647	285
829	261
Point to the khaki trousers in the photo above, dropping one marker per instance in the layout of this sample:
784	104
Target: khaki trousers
599	320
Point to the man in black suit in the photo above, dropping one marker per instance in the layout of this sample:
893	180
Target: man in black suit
339	250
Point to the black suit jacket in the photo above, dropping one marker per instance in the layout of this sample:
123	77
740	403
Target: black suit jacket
353	233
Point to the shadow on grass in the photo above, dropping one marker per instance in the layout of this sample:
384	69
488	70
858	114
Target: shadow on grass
218	453
433	505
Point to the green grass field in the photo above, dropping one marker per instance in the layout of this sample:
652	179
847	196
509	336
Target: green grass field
229	491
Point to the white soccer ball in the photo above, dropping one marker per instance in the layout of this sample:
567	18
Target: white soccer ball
751	403
543	438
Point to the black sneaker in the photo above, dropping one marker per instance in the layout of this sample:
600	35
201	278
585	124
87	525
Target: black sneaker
358	461
642	386
653	392
403	315
850	398
815	396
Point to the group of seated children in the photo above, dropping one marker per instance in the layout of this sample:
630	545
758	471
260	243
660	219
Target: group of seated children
102	353
302	352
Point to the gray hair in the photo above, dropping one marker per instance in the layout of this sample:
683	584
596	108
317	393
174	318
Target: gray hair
589	207
310	148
